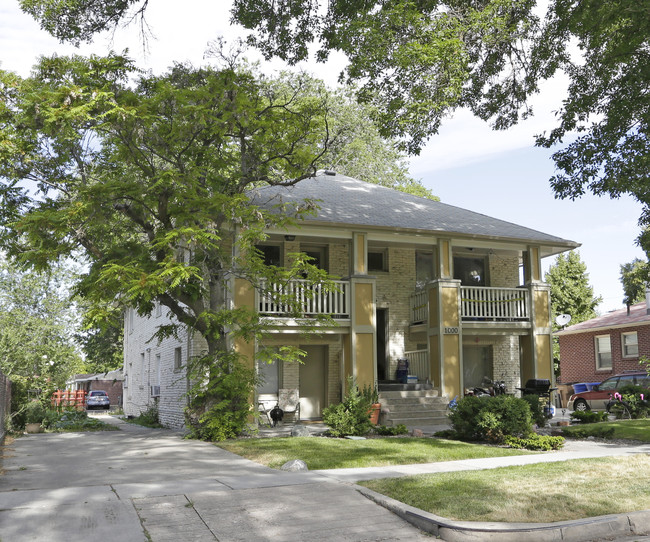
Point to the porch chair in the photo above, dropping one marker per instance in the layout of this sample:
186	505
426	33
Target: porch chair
289	402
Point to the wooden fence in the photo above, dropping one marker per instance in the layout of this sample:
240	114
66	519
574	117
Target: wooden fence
69	398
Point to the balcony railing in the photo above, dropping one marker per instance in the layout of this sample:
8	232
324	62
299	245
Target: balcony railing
304	298
496	304
480	303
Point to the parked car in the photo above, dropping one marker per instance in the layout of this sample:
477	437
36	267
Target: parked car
97	399
601	394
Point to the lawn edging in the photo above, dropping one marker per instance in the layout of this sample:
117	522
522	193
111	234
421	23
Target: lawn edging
581	530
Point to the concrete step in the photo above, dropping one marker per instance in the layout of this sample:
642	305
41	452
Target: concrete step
414	408
432	420
396	394
413	401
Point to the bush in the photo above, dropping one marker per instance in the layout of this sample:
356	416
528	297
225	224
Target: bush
384	430
148	418
351	417
589	416
535	442
491	418
536	409
632	402
34	412
585	432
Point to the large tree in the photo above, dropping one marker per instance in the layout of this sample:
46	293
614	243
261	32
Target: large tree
149	176
37	324
417	61
634	279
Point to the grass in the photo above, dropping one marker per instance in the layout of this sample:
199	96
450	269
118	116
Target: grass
623	429
545	492
329	453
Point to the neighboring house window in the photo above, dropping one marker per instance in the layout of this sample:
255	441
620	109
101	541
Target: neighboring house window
603	352
178	358
470	271
158	310
630	344
142	381
377	260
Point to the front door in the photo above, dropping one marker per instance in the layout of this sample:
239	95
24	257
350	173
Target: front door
313	382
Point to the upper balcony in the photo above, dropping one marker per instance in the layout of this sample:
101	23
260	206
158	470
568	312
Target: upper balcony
304	298
480	304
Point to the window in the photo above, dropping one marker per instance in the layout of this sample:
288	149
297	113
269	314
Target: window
158	309
178	358
470	271
318	256
603	352
629	342
271	255
423	268
269	376
142	369
377	260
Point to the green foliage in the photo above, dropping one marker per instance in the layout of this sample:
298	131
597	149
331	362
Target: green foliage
491	418
589	416
77	420
634	277
350	417
535	442
148	417
385	430
536	409
632	404
220	409
571	293
34	412
585	432
370	394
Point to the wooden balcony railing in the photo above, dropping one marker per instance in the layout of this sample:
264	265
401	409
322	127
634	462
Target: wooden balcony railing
304	298
480	303
418	364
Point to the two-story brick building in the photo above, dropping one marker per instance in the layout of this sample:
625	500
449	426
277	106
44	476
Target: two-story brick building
457	293
596	349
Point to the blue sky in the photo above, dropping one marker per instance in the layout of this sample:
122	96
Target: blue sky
500	174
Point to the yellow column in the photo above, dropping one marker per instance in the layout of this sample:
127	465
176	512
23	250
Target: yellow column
364	343
445	337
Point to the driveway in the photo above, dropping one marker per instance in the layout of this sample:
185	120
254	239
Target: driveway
141	484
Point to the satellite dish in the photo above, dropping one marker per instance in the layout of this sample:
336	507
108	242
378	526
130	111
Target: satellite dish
562	319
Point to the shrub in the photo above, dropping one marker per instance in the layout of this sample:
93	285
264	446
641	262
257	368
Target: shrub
34	412
148	417
584	432
536	409
491	418
384	430
632	402
535	442
589	416
350	417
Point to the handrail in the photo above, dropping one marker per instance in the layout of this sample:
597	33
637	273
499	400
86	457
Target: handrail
305	297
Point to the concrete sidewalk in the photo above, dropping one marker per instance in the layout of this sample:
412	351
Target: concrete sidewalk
142	484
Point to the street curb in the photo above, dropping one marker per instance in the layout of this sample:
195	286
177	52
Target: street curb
583	530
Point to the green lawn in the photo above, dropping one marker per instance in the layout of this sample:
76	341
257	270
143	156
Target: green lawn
623	429
330	453
545	492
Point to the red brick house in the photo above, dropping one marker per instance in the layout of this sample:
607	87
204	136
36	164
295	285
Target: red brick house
604	346
110	382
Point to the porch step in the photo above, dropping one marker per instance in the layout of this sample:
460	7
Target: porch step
412	407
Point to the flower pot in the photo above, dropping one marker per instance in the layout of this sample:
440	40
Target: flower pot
33	428
374	411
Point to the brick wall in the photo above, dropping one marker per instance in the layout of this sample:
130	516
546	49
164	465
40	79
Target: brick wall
503	271
578	354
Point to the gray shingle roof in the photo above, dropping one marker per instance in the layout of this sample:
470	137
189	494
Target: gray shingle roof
347	201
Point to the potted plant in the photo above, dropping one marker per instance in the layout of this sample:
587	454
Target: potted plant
34	414
370	394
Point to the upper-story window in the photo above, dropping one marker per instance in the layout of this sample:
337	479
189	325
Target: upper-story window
630	344
377	260
272	254
603	352
423	268
318	256
470	271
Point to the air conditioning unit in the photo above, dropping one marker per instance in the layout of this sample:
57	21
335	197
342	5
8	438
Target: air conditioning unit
155	391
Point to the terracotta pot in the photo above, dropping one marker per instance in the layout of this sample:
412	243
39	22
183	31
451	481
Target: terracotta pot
374	411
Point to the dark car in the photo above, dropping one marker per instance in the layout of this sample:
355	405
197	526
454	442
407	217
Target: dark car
600	395
97	399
